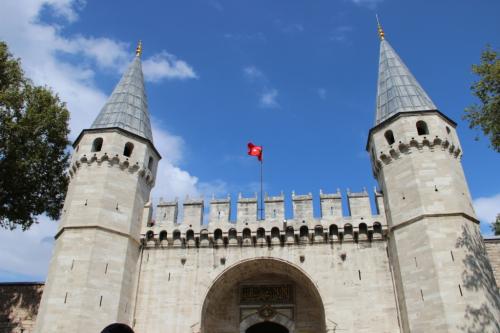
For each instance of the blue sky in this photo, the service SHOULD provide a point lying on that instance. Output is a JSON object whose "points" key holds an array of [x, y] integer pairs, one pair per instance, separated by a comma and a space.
{"points": [[298, 77]]}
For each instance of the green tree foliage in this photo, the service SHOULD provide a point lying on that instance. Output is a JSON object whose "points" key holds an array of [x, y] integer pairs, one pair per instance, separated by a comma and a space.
{"points": [[486, 116], [33, 147], [495, 226]]}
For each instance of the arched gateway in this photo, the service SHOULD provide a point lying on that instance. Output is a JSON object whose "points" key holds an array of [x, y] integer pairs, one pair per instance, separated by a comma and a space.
{"points": [[263, 295]]}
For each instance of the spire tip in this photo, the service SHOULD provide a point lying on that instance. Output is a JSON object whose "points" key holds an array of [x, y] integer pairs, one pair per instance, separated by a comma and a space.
{"points": [[138, 49], [381, 33]]}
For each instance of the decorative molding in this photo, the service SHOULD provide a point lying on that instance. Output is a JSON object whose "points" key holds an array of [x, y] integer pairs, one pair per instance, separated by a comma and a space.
{"points": [[120, 161]]}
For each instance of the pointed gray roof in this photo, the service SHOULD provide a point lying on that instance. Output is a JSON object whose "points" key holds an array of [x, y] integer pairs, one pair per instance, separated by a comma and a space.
{"points": [[127, 107], [398, 90]]}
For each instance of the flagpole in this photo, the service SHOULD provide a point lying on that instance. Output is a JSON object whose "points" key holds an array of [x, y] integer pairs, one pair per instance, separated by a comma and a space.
{"points": [[261, 192]]}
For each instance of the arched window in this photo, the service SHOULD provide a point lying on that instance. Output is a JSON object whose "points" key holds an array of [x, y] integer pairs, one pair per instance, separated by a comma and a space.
{"points": [[246, 233], [150, 163], [190, 235], [334, 230], [117, 328], [389, 136], [177, 235], [150, 235], [97, 145], [163, 235], [217, 234], [363, 229], [318, 230], [275, 232], [377, 228], [422, 128], [289, 232], [304, 231], [127, 150], [447, 130], [348, 229], [261, 233], [232, 233], [204, 235]]}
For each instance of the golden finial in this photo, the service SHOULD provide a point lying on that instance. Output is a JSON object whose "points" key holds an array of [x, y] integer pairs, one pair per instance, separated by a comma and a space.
{"points": [[381, 33], [138, 49]]}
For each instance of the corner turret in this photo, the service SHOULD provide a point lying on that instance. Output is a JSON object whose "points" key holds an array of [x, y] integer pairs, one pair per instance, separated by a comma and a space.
{"points": [[416, 158], [113, 169]]}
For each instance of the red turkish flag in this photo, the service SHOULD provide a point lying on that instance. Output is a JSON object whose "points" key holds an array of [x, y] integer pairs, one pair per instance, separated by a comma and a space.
{"points": [[254, 150]]}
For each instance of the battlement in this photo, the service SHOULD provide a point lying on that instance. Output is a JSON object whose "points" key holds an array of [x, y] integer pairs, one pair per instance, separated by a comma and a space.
{"points": [[248, 230], [120, 161]]}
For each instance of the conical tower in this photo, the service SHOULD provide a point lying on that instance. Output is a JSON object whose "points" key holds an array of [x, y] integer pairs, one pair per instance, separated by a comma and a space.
{"points": [[94, 265], [444, 281]]}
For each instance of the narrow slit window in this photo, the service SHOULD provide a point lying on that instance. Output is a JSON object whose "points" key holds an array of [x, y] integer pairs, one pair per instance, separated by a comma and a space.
{"points": [[422, 128], [389, 136], [150, 164], [127, 150], [97, 145]]}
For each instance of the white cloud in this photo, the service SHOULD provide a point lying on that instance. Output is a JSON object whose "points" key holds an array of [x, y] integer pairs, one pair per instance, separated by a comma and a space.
{"points": [[258, 36], [27, 253], [268, 95], [367, 3], [65, 8], [289, 28], [268, 98], [216, 5], [487, 209], [166, 66], [339, 34], [322, 93], [253, 73], [40, 46]]}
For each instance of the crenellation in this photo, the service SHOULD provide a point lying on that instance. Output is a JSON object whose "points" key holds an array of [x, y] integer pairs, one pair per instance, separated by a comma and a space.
{"points": [[247, 230], [379, 202], [166, 212], [220, 210], [193, 212], [358, 204], [331, 205], [302, 207], [275, 207], [247, 209]]}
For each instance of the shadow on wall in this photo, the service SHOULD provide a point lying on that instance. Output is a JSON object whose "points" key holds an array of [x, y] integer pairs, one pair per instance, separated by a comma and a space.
{"points": [[19, 305], [478, 276]]}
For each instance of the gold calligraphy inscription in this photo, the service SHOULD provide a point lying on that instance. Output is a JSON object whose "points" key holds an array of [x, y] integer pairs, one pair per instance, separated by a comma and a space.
{"points": [[276, 294]]}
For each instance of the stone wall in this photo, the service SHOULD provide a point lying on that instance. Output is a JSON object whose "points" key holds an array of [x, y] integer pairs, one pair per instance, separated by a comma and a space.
{"points": [[180, 288], [19, 306], [493, 249]]}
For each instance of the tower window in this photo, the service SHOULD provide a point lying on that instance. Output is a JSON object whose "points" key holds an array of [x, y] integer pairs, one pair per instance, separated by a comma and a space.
{"points": [[389, 136], [97, 145], [422, 128], [150, 163], [448, 130], [127, 150]]}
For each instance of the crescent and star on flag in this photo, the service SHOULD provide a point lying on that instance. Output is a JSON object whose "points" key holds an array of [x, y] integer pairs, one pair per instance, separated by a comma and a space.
{"points": [[254, 150]]}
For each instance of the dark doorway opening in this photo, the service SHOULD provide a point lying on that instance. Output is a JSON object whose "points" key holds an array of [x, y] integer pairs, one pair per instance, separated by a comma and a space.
{"points": [[117, 328], [267, 327]]}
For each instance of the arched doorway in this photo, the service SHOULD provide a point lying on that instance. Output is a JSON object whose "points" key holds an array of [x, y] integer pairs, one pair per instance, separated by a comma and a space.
{"points": [[263, 295], [267, 327], [117, 328]]}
